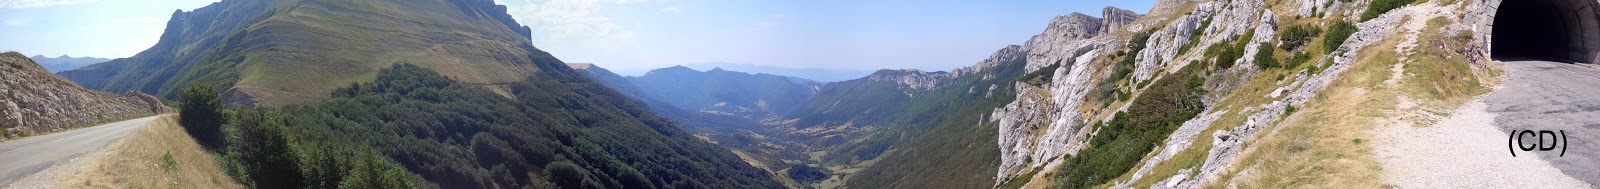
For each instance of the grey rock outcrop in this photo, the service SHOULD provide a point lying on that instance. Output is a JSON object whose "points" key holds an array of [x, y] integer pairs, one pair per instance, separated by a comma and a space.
{"points": [[1042, 123], [33, 101], [910, 78], [1113, 18]]}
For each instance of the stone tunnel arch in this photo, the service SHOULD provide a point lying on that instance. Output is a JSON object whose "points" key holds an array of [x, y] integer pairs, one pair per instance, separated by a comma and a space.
{"points": [[1552, 30]]}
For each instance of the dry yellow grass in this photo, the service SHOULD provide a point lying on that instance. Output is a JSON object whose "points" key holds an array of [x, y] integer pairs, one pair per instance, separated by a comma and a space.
{"points": [[136, 161], [1326, 143]]}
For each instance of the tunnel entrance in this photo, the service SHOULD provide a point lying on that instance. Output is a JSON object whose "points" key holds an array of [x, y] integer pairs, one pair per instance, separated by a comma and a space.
{"points": [[1550, 30]]}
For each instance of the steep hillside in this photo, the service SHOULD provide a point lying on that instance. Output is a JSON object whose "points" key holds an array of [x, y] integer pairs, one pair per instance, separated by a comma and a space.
{"points": [[1205, 93], [64, 62], [280, 52], [567, 134], [403, 94], [34, 102]]}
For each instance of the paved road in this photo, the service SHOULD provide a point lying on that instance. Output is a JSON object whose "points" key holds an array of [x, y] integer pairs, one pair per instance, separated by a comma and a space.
{"points": [[24, 157], [1540, 95]]}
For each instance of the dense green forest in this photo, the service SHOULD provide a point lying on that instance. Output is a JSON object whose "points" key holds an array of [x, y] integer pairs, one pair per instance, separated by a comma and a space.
{"points": [[413, 127]]}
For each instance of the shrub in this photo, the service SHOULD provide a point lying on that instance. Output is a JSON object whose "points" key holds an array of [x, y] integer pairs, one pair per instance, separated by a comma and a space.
{"points": [[1299, 35], [200, 114], [1378, 7], [1265, 58], [169, 162], [1337, 34], [1041, 76]]}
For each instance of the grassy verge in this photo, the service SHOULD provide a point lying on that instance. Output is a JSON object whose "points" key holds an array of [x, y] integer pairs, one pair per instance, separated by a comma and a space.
{"points": [[159, 155], [1323, 145], [1439, 77]]}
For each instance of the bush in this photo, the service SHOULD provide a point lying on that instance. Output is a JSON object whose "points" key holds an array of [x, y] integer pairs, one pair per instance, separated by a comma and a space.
{"points": [[1299, 35], [1265, 58], [1337, 34], [169, 162], [1041, 76], [1378, 7], [200, 114]]}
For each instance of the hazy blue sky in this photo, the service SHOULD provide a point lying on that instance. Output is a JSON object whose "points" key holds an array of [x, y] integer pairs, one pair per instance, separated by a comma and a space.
{"points": [[631, 36]]}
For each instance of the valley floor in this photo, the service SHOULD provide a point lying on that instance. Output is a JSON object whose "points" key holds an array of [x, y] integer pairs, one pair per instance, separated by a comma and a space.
{"points": [[1468, 148]]}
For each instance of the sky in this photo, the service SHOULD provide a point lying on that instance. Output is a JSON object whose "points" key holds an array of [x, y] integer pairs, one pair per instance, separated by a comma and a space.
{"points": [[633, 36]]}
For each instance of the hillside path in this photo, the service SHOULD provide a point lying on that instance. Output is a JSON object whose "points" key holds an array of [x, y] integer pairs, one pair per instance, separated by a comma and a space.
{"points": [[24, 157]]}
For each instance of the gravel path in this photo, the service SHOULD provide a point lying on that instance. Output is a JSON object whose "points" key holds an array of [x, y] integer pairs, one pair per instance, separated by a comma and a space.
{"points": [[1462, 151], [1540, 95]]}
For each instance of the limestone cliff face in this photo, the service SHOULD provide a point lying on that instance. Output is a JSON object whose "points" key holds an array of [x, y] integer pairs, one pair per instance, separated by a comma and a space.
{"points": [[33, 101], [1047, 122], [1042, 122]]}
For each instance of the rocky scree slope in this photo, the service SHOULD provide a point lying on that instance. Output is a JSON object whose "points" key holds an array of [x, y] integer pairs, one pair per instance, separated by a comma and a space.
{"points": [[34, 102]]}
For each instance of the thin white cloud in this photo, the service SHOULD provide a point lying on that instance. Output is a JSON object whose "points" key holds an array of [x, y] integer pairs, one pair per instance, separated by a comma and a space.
{"points": [[563, 20], [19, 4], [17, 22], [630, 1], [671, 10]]}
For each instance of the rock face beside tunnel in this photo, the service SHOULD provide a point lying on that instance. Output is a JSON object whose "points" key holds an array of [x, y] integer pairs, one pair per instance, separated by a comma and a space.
{"points": [[1554, 30]]}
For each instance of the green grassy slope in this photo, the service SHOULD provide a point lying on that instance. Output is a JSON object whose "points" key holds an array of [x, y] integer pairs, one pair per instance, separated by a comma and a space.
{"points": [[291, 51]]}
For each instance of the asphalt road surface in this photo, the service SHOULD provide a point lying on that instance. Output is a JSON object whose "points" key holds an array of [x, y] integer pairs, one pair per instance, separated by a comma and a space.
{"points": [[1539, 95], [24, 157]]}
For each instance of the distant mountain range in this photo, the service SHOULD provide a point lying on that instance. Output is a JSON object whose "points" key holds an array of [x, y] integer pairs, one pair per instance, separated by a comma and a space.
{"points": [[814, 74], [64, 62], [727, 90]]}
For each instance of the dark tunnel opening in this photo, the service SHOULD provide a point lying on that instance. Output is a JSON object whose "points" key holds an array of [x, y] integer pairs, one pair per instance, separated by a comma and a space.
{"points": [[1531, 30]]}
